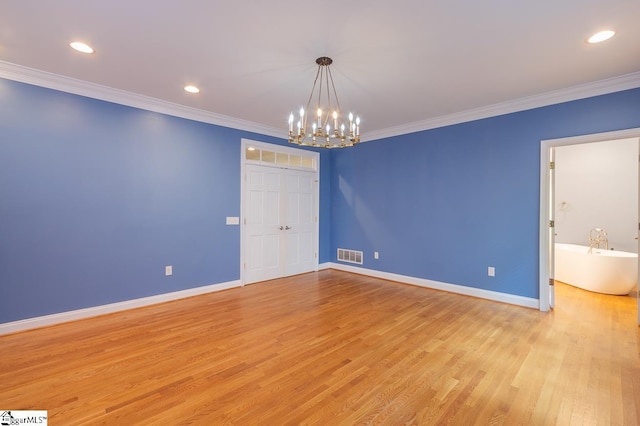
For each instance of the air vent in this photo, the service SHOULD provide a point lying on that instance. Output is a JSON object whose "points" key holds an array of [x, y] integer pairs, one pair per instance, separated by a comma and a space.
{"points": [[351, 256]]}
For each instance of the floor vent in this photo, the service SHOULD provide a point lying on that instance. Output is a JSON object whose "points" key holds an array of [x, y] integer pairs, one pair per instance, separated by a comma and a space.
{"points": [[351, 256]]}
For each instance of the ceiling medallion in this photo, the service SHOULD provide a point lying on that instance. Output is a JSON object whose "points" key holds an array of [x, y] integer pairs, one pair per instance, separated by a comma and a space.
{"points": [[328, 128]]}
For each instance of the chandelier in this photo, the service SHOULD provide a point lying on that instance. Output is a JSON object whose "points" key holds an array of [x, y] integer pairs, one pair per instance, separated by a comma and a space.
{"points": [[328, 128]]}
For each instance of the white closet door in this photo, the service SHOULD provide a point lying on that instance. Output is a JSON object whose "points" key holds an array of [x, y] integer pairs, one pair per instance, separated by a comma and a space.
{"points": [[263, 212], [280, 222], [299, 222]]}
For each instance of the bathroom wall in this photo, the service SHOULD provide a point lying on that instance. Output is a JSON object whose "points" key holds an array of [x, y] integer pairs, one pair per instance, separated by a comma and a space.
{"points": [[597, 187]]}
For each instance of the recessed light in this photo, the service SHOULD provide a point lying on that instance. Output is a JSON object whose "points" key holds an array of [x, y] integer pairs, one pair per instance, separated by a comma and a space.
{"points": [[601, 36], [81, 47], [191, 89]]}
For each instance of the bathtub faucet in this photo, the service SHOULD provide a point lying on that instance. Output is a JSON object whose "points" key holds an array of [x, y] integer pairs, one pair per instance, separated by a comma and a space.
{"points": [[598, 236]]}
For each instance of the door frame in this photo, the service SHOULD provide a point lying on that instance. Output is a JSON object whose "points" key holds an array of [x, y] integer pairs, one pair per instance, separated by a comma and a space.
{"points": [[546, 250], [284, 150]]}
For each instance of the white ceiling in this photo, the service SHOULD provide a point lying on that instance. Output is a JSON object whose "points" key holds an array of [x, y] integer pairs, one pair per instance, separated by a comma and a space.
{"points": [[395, 62]]}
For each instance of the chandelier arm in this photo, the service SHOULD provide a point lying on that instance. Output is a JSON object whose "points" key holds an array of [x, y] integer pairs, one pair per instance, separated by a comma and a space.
{"points": [[313, 89], [329, 106], [335, 93], [323, 77]]}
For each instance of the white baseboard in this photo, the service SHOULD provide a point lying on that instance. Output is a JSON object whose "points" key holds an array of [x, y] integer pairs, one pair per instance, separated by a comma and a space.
{"points": [[47, 320], [323, 266], [451, 288]]}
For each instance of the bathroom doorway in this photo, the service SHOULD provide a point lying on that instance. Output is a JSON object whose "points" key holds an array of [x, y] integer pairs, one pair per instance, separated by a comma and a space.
{"points": [[550, 204]]}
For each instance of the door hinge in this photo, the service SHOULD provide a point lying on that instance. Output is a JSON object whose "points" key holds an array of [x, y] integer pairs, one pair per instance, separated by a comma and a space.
{"points": [[552, 223], [552, 281], [244, 266], [552, 165], [315, 255]]}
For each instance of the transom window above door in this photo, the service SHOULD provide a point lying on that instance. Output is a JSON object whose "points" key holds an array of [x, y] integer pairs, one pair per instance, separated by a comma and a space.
{"points": [[258, 155]]}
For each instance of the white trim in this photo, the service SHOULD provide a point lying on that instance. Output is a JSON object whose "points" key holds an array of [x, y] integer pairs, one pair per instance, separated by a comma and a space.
{"points": [[545, 149], [36, 77], [48, 320], [451, 288], [325, 265], [601, 87]]}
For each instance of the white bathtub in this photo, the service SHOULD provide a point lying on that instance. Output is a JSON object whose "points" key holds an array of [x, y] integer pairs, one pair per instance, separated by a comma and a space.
{"points": [[602, 271]]}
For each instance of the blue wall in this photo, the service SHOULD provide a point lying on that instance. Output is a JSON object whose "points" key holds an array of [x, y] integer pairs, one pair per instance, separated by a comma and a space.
{"points": [[96, 198], [445, 204]]}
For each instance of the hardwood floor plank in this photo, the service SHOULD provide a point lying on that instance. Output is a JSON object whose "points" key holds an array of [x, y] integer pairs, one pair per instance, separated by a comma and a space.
{"points": [[334, 348]]}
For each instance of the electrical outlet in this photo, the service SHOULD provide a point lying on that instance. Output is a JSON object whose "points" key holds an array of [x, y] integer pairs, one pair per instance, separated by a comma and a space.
{"points": [[491, 271], [168, 270], [376, 255]]}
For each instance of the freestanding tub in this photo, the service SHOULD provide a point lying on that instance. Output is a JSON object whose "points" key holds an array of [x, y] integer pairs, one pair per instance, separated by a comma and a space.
{"points": [[602, 271]]}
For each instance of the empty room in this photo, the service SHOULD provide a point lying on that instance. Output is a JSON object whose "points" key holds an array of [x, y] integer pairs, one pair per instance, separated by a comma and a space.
{"points": [[341, 213]]}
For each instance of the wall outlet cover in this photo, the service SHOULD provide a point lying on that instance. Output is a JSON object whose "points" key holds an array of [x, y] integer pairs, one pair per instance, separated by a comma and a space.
{"points": [[233, 220]]}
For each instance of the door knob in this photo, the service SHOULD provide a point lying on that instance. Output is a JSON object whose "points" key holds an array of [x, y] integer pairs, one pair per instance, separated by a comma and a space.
{"points": [[281, 228], [287, 228]]}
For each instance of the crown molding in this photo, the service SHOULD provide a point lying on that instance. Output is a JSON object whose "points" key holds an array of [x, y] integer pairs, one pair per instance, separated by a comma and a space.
{"points": [[40, 78], [36, 77], [601, 87]]}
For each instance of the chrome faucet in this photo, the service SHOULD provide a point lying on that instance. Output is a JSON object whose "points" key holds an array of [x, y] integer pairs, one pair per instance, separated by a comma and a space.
{"points": [[598, 236]]}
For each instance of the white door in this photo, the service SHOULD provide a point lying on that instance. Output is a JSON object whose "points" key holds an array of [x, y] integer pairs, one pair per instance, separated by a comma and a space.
{"points": [[280, 222], [552, 229], [263, 211], [299, 223]]}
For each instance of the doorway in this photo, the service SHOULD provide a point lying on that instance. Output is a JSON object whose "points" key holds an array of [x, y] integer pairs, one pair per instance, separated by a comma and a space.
{"points": [[279, 205], [548, 220]]}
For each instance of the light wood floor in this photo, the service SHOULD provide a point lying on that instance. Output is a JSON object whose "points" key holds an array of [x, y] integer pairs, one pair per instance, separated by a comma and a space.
{"points": [[333, 348]]}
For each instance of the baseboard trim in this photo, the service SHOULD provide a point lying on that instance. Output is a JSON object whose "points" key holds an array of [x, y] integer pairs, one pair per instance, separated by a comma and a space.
{"points": [[323, 266], [436, 285], [53, 319], [48, 320]]}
